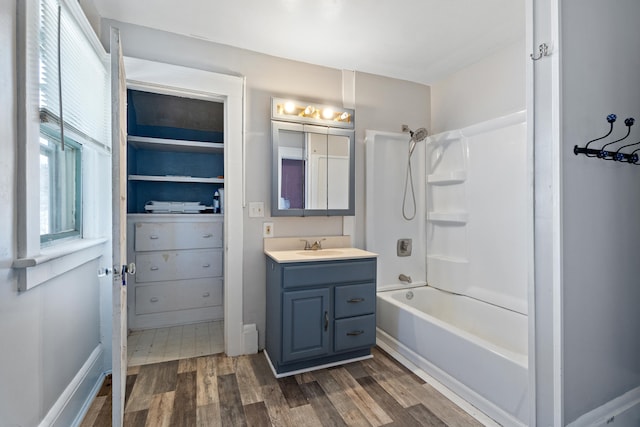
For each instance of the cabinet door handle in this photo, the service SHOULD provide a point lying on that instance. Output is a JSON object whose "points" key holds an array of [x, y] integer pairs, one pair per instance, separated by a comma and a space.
{"points": [[206, 265], [205, 295], [355, 333], [206, 236], [154, 299], [355, 300], [154, 237], [154, 268], [326, 320]]}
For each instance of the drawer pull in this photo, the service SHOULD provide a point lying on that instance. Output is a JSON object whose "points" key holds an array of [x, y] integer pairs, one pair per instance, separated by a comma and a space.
{"points": [[154, 299], [355, 333], [355, 300], [206, 236], [206, 295], [155, 268], [154, 237], [206, 265]]}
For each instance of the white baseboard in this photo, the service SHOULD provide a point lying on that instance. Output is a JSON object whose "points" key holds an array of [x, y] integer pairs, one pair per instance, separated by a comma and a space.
{"points": [[76, 398], [622, 411]]}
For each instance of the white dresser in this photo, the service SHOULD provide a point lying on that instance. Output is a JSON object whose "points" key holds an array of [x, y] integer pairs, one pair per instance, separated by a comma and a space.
{"points": [[179, 275]]}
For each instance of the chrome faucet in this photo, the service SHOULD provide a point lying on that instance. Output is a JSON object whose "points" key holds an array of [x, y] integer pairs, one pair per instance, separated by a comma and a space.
{"points": [[317, 245], [312, 246], [404, 278]]}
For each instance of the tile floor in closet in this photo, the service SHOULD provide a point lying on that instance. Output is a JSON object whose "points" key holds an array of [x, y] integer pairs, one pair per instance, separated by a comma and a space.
{"points": [[175, 342]]}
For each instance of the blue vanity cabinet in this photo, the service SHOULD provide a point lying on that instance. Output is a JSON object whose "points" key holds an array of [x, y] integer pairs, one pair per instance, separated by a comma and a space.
{"points": [[319, 313]]}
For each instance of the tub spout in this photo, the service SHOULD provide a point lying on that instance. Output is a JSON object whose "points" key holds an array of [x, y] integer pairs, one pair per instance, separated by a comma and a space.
{"points": [[404, 278]]}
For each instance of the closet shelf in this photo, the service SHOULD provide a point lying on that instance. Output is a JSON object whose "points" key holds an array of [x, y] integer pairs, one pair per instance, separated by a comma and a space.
{"points": [[147, 143], [448, 217], [172, 178], [454, 177]]}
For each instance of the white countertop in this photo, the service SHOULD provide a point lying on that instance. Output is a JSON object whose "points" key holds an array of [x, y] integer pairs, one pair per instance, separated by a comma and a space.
{"points": [[291, 249], [332, 254]]}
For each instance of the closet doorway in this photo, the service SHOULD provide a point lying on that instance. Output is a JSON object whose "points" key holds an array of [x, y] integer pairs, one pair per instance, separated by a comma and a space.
{"points": [[184, 132]]}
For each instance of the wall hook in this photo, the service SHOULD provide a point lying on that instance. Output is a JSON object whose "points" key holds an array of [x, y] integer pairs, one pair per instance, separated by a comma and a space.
{"points": [[611, 119], [604, 153], [543, 50]]}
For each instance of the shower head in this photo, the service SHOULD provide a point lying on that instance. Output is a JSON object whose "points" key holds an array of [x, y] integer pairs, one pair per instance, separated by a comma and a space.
{"points": [[418, 135]]}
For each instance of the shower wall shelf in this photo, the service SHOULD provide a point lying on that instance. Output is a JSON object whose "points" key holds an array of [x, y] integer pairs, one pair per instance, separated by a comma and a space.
{"points": [[617, 153], [448, 217], [454, 177]]}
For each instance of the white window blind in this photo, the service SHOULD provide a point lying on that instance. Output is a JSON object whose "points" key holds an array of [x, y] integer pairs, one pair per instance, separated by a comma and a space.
{"points": [[85, 80]]}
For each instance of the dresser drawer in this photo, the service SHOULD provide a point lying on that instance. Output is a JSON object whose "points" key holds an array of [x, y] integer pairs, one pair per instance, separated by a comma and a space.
{"points": [[355, 332], [159, 236], [176, 265], [171, 296], [354, 300]]}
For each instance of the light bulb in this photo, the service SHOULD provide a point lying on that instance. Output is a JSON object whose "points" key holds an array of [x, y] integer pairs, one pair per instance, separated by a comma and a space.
{"points": [[309, 110], [327, 113], [289, 107]]}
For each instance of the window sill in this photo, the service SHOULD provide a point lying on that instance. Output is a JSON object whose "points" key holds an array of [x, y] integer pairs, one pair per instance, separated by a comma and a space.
{"points": [[56, 260]]}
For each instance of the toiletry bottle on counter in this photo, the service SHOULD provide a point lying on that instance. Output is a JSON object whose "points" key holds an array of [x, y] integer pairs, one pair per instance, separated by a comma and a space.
{"points": [[216, 202]]}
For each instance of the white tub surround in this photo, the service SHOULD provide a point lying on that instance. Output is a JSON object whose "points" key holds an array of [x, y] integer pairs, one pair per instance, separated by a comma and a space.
{"points": [[386, 169], [471, 239], [477, 211]]}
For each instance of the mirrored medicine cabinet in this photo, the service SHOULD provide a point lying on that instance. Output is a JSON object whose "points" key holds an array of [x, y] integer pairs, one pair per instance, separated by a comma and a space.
{"points": [[312, 159]]}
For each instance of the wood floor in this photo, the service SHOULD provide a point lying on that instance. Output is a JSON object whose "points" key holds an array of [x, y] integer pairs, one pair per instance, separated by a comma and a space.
{"points": [[241, 391]]}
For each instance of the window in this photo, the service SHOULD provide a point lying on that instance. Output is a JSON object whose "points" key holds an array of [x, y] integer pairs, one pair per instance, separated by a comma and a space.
{"points": [[73, 81], [63, 216], [60, 189]]}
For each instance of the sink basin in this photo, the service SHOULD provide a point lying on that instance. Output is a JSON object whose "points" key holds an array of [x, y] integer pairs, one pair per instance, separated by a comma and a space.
{"points": [[321, 252]]}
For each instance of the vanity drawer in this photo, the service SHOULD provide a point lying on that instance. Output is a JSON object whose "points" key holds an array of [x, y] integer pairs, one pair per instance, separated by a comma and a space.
{"points": [[355, 332], [324, 272], [159, 236], [354, 300], [176, 265], [170, 296]]}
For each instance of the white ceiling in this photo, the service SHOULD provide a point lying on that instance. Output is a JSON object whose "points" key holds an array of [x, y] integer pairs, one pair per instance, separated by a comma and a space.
{"points": [[415, 40]]}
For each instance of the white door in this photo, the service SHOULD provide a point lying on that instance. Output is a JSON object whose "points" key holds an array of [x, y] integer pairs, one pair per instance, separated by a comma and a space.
{"points": [[119, 197]]}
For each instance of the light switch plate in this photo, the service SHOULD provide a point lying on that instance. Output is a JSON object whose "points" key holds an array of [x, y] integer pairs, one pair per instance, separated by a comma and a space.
{"points": [[256, 209]]}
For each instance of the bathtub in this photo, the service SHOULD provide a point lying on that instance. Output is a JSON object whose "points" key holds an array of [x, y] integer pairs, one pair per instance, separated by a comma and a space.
{"points": [[475, 349]]}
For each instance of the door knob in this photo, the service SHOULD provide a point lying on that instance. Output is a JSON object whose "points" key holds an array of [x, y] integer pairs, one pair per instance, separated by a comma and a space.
{"points": [[131, 268]]}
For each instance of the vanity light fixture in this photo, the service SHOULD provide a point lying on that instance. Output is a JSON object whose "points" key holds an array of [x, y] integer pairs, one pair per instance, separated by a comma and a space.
{"points": [[301, 111]]}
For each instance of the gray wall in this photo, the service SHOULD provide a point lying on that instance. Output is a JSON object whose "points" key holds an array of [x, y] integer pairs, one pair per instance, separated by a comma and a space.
{"points": [[601, 205], [490, 88], [381, 103], [46, 333]]}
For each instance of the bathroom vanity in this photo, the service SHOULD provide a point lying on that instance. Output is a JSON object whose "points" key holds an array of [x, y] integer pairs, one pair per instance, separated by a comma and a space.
{"points": [[320, 307]]}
